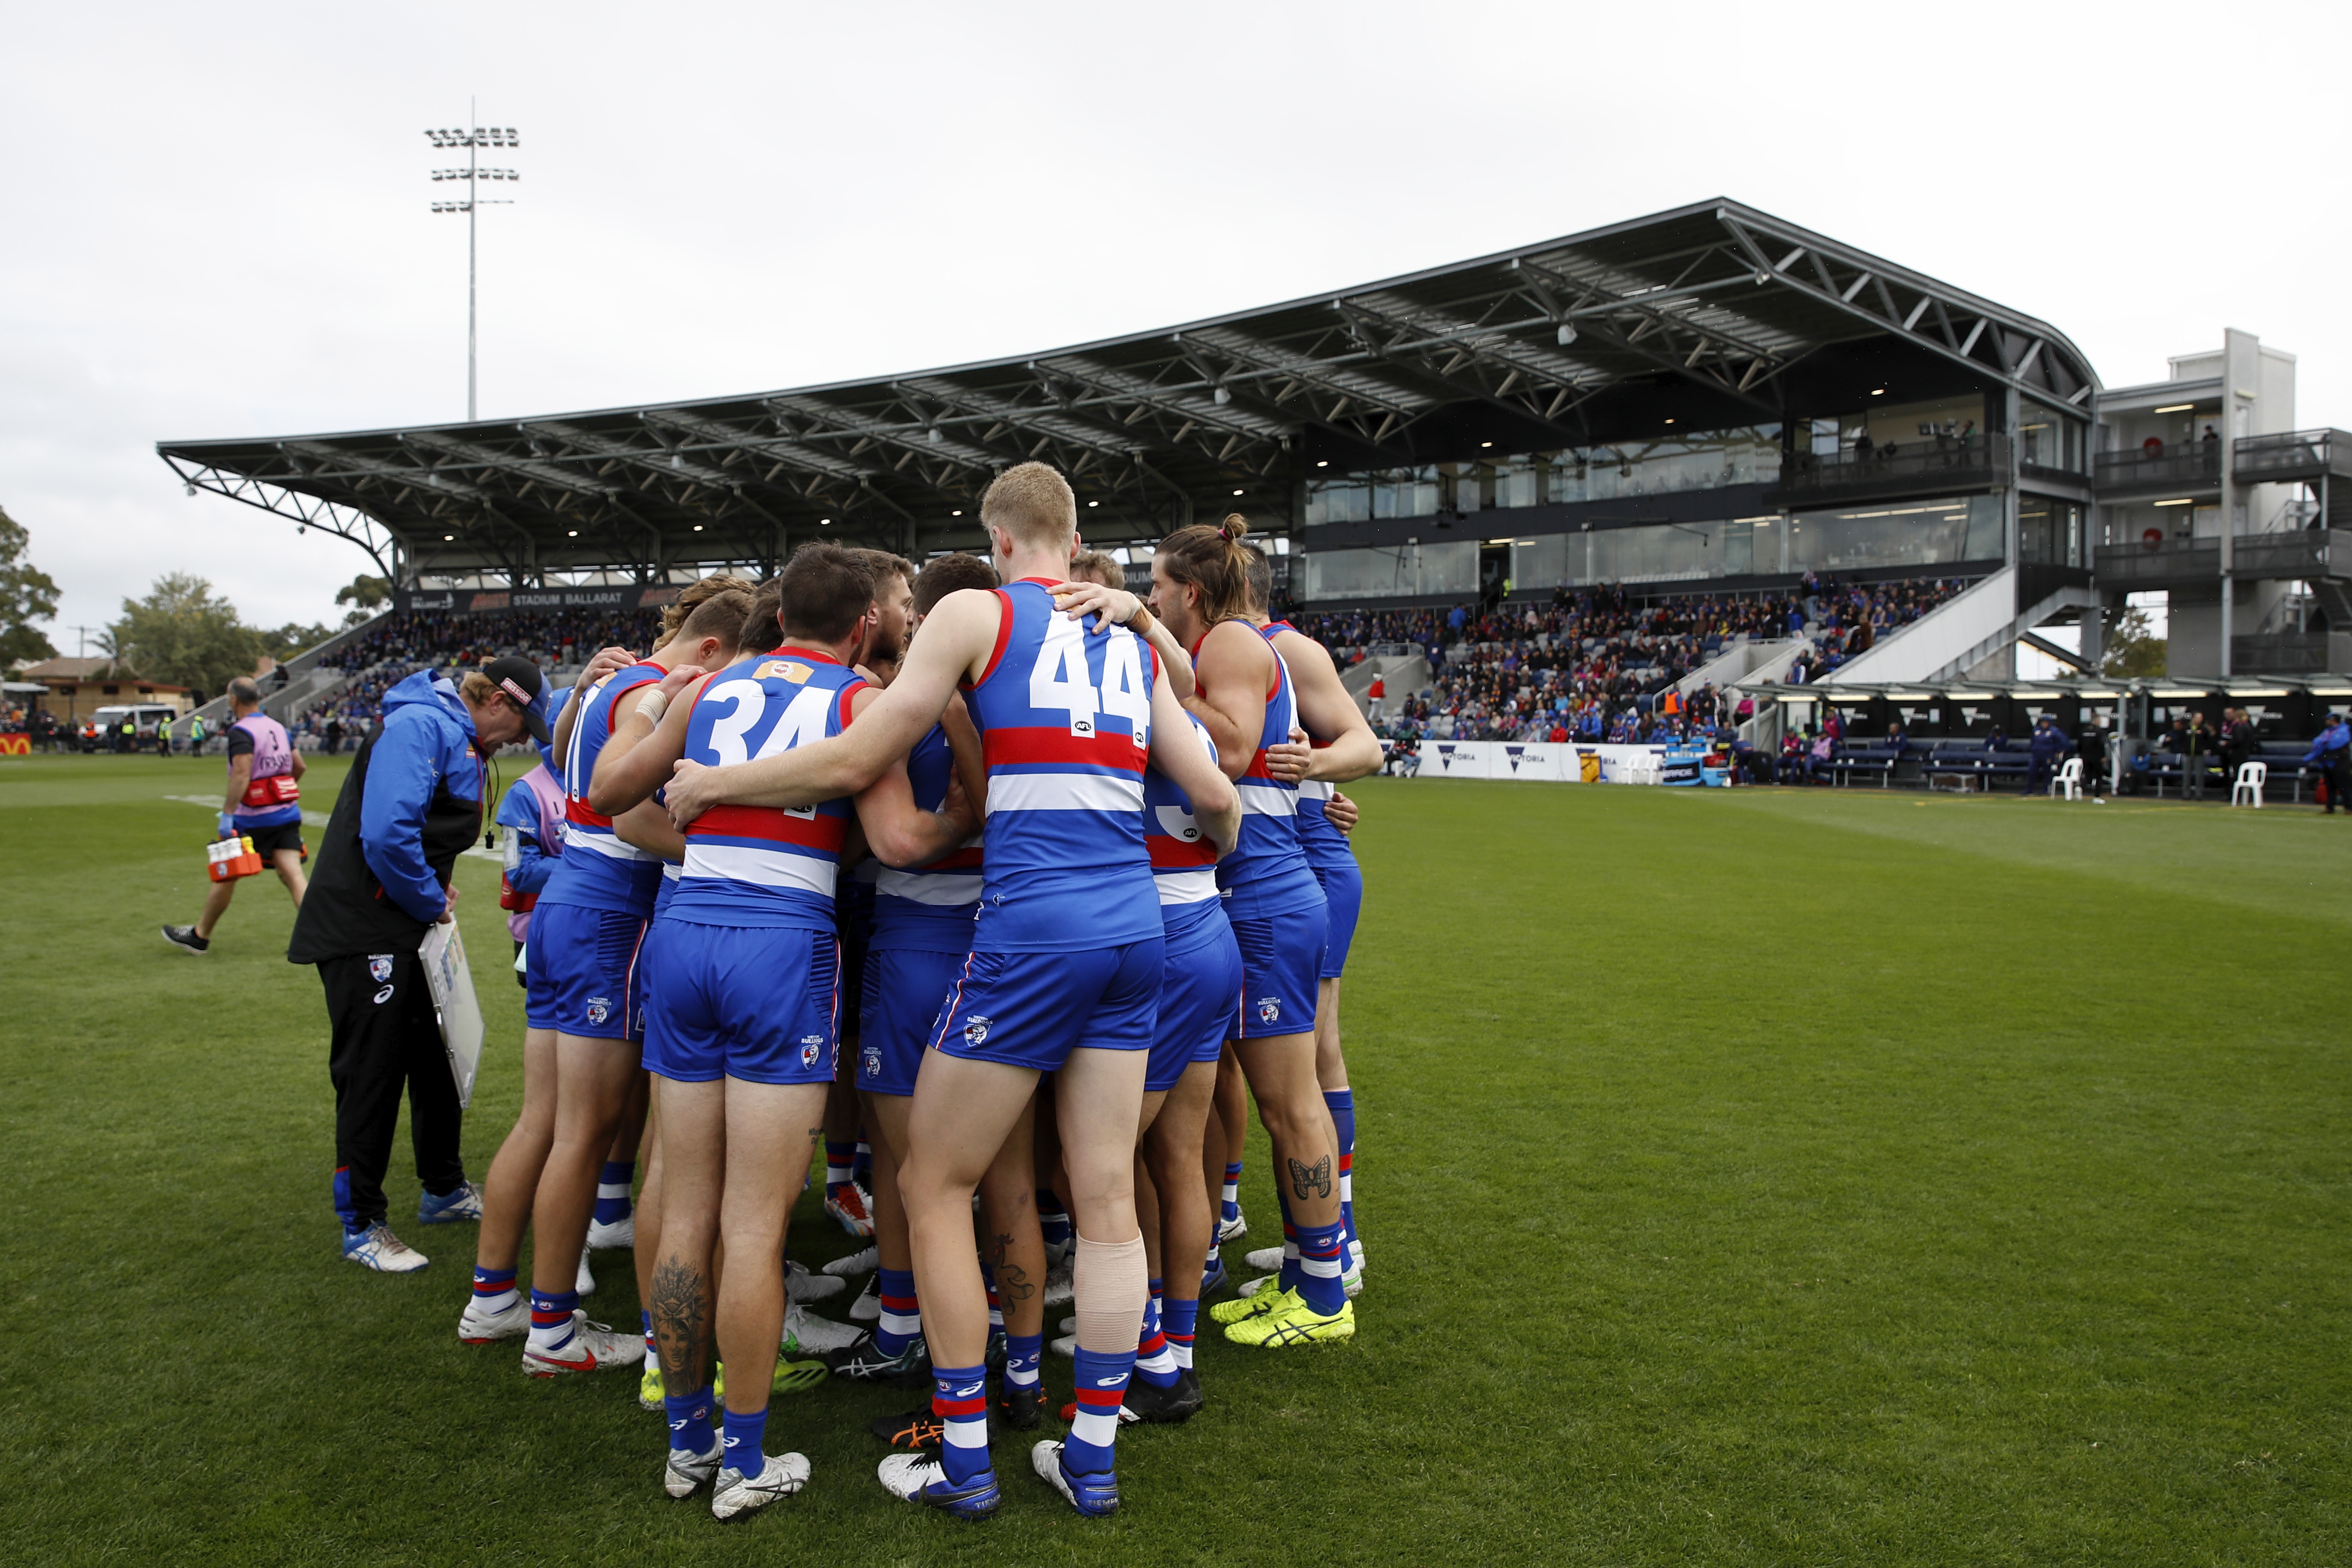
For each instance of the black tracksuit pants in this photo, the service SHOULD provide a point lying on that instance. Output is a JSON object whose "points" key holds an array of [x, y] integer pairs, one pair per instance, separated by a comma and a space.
{"points": [[386, 1040]]}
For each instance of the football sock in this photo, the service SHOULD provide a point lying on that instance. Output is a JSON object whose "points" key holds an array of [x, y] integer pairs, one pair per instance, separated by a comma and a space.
{"points": [[1342, 1102], [653, 1356], [1154, 1362], [551, 1318], [902, 1317], [613, 1190], [1052, 1218], [839, 1160], [1322, 1253], [995, 1301], [1022, 1353], [1177, 1323], [744, 1435], [494, 1288], [1101, 1379], [689, 1421], [960, 1399], [1231, 1210], [1289, 1279], [863, 1166]]}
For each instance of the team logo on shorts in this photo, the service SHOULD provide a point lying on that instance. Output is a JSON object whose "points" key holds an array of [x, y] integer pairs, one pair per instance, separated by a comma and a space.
{"points": [[810, 1046], [379, 967], [598, 1009], [1269, 1008], [975, 1031], [872, 1058]]}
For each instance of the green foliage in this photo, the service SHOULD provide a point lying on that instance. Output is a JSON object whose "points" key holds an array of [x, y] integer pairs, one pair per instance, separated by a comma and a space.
{"points": [[365, 592], [183, 633], [2131, 650], [291, 638], [27, 594], [1947, 1234]]}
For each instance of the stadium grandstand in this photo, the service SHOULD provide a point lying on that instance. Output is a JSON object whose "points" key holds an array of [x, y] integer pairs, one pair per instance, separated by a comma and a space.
{"points": [[1694, 453]]}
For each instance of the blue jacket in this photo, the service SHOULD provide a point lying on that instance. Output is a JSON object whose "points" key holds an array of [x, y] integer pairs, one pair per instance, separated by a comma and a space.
{"points": [[2048, 744], [426, 748], [534, 862], [2335, 738]]}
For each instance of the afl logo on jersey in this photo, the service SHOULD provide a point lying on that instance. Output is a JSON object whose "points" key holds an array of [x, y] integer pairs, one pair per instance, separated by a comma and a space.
{"points": [[791, 669], [1269, 1008], [811, 1044], [975, 1031], [598, 1009]]}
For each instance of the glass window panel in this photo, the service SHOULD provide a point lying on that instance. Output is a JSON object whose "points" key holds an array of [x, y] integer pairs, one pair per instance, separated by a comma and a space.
{"points": [[1339, 501], [2050, 439], [1900, 533], [1544, 561], [1399, 572]]}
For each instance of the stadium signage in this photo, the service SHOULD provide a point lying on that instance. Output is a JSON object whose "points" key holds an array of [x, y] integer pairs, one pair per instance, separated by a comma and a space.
{"points": [[489, 601]]}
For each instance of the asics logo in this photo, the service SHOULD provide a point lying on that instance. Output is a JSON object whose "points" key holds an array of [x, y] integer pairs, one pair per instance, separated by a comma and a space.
{"points": [[969, 1392], [1109, 1381]]}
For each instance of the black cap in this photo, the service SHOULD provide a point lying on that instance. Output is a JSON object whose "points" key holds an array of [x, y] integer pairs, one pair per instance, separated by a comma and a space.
{"points": [[520, 679]]}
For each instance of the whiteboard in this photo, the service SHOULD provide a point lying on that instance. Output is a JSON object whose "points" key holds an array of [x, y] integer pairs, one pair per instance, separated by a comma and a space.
{"points": [[451, 983]]}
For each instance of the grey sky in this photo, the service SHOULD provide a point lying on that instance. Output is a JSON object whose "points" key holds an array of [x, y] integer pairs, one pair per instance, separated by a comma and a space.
{"points": [[219, 218]]}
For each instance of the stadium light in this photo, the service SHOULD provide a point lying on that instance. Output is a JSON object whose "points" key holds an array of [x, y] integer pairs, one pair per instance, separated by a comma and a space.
{"points": [[473, 139]]}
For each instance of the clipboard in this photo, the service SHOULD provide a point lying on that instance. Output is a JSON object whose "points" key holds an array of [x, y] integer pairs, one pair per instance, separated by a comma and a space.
{"points": [[451, 984]]}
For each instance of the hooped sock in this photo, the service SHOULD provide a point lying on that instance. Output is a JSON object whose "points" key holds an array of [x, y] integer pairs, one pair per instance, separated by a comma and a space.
{"points": [[1052, 1218], [1232, 1196], [689, 1420], [744, 1434], [1289, 1276], [1342, 1104], [960, 1399], [1322, 1259], [1154, 1362], [653, 1353], [551, 1318], [840, 1160], [902, 1314], [613, 1190], [1101, 1379], [1023, 1354], [995, 1301], [1178, 1322], [494, 1288], [862, 1167]]}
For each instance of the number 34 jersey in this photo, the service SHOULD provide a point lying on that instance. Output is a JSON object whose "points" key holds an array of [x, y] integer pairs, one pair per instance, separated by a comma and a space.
{"points": [[757, 865], [1064, 719]]}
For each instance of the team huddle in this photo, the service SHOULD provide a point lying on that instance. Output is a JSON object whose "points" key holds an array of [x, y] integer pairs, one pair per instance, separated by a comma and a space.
{"points": [[1006, 887]]}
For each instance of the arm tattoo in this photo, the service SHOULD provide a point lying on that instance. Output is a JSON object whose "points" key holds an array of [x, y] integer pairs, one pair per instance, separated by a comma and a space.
{"points": [[1311, 1180], [681, 1312]]}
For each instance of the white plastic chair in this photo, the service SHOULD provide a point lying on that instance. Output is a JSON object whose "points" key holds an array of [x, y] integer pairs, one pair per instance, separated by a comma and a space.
{"points": [[2252, 777], [2069, 777]]}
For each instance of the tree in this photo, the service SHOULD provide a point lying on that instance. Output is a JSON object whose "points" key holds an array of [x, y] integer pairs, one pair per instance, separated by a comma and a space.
{"points": [[181, 633], [291, 638], [2131, 651], [364, 594], [27, 594]]}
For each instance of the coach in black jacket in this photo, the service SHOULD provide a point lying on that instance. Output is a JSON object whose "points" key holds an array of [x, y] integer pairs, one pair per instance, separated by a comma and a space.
{"points": [[412, 802]]}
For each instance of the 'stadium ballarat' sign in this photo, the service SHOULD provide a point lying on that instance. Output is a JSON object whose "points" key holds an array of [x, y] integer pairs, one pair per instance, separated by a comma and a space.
{"points": [[487, 601]]}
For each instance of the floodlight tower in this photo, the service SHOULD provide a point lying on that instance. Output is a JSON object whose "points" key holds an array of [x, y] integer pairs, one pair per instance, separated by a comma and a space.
{"points": [[473, 139]]}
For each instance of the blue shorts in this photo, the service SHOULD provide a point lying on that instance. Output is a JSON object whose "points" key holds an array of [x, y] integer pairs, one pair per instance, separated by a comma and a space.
{"points": [[904, 993], [1033, 1009], [757, 1004], [1282, 965], [584, 971], [1198, 985], [1343, 899]]}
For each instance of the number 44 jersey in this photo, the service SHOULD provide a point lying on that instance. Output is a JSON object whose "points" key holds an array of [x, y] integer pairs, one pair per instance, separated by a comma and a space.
{"points": [[757, 865], [1064, 718]]}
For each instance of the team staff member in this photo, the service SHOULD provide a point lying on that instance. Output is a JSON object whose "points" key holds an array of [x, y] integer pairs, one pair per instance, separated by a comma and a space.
{"points": [[412, 802], [265, 778]]}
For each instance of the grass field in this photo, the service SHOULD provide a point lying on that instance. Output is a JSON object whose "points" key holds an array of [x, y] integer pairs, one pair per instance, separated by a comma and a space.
{"points": [[1755, 1177]]}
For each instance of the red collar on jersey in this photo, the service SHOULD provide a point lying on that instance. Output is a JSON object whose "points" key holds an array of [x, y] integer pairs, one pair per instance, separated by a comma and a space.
{"points": [[1041, 582], [818, 654]]}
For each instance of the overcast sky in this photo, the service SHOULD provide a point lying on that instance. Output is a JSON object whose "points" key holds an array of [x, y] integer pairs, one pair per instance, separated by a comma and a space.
{"points": [[219, 224]]}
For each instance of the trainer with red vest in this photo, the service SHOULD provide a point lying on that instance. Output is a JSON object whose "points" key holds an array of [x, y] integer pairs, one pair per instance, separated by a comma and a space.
{"points": [[265, 788], [411, 805]]}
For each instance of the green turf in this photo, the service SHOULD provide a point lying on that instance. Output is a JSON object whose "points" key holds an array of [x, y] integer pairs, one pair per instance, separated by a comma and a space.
{"points": [[1827, 1177]]}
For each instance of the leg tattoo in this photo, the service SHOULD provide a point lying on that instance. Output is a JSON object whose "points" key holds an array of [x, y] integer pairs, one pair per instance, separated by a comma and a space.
{"points": [[681, 1309], [1311, 1180]]}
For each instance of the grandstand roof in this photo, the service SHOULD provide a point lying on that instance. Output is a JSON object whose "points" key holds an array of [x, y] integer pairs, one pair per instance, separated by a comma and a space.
{"points": [[1715, 312]]}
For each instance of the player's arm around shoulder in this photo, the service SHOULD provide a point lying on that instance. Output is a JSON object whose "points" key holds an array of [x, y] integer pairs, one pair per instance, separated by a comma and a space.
{"points": [[645, 746], [1234, 670], [1328, 713], [956, 639], [1216, 804], [899, 832]]}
